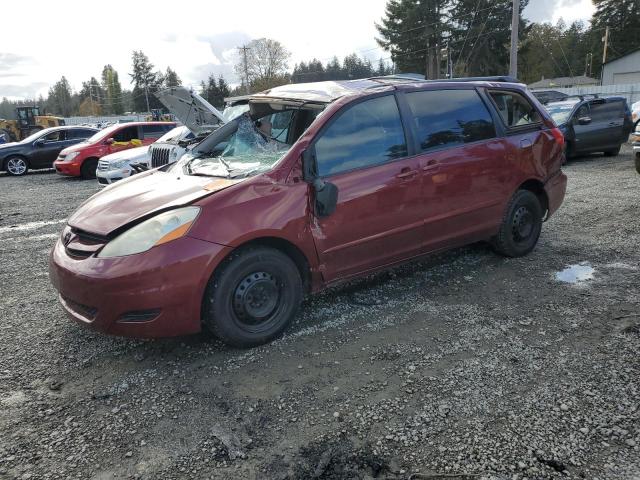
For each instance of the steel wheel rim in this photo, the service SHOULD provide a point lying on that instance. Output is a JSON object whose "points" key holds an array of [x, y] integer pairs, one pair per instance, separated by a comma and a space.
{"points": [[257, 299], [522, 226], [16, 166]]}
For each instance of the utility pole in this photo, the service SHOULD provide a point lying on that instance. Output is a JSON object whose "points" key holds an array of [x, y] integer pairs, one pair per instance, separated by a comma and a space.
{"points": [[146, 94], [244, 49], [515, 23], [606, 45], [587, 65]]}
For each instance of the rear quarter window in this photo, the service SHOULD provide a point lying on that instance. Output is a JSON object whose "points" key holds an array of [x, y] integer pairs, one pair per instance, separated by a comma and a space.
{"points": [[155, 131], [514, 109], [449, 118]]}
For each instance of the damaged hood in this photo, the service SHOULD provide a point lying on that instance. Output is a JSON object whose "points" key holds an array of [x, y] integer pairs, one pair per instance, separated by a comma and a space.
{"points": [[140, 197], [191, 109]]}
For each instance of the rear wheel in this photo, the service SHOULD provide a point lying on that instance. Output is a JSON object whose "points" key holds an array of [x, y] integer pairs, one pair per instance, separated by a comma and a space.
{"points": [[253, 297], [88, 169], [613, 153], [16, 166], [521, 225]]}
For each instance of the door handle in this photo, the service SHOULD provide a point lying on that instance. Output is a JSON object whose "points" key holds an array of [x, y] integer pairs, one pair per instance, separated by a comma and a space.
{"points": [[613, 124], [431, 164], [406, 173]]}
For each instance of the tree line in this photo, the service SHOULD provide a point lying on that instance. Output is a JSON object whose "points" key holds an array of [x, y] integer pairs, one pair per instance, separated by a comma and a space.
{"points": [[432, 37], [473, 37]]}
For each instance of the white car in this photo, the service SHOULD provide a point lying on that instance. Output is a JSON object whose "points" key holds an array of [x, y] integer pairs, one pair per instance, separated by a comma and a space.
{"points": [[117, 166], [635, 114]]}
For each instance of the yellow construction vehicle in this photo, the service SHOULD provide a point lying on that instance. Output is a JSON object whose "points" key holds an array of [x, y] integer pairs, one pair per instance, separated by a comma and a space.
{"points": [[28, 121], [158, 116]]}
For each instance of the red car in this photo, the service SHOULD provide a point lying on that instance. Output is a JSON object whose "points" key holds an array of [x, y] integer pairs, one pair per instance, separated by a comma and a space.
{"points": [[315, 185], [81, 160]]}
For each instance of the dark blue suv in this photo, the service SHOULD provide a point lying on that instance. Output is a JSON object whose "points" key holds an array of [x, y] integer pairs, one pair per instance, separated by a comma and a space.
{"points": [[592, 123]]}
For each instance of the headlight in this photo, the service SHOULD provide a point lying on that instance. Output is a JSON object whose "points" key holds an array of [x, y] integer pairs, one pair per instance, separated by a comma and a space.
{"points": [[157, 230], [118, 165], [71, 156]]}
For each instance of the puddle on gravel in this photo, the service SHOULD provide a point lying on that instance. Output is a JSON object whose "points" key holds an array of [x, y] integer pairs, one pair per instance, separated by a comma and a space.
{"points": [[577, 273]]}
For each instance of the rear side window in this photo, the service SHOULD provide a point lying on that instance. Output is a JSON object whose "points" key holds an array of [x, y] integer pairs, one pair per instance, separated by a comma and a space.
{"points": [[368, 133], [154, 130], [604, 112], [449, 118], [515, 110], [126, 134], [79, 133]]}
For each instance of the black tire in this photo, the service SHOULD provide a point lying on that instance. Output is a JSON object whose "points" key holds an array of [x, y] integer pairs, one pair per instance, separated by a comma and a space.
{"points": [[88, 169], [7, 134], [252, 297], [613, 153], [521, 225], [16, 166]]}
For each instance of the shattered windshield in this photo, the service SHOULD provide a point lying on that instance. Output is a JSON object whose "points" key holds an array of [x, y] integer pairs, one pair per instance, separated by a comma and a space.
{"points": [[254, 148]]}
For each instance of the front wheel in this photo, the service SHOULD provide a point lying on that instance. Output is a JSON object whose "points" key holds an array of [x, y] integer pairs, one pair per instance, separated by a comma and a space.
{"points": [[253, 297], [613, 153], [16, 166], [88, 169], [521, 225]]}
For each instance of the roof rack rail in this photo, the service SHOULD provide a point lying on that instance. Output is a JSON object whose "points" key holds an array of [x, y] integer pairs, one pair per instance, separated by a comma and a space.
{"points": [[498, 78], [584, 95]]}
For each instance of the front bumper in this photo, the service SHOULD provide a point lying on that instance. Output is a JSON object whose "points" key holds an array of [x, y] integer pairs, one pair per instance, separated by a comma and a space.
{"points": [[555, 188], [157, 293], [107, 177], [71, 169]]}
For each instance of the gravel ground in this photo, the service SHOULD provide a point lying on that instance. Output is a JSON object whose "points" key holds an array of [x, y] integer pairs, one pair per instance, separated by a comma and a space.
{"points": [[466, 365]]}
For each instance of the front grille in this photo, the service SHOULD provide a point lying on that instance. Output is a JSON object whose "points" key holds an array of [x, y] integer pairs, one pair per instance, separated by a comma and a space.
{"points": [[84, 310], [160, 156], [103, 165]]}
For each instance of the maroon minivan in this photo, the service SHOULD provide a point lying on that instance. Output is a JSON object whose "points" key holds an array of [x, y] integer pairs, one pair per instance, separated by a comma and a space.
{"points": [[316, 184]]}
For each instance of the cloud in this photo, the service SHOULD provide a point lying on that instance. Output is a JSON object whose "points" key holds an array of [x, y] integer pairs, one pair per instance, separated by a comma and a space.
{"points": [[9, 61], [29, 90], [552, 10], [216, 69], [221, 43]]}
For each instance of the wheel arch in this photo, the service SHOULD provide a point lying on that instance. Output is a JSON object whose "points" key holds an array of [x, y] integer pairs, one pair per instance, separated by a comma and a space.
{"points": [[536, 187], [283, 245]]}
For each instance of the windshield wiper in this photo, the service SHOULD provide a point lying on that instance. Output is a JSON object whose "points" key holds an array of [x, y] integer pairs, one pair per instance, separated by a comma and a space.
{"points": [[225, 163]]}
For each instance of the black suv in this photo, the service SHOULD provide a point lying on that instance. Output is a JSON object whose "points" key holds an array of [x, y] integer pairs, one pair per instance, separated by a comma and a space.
{"points": [[592, 124], [40, 149]]}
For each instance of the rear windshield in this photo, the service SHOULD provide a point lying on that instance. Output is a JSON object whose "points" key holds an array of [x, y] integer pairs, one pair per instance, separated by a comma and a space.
{"points": [[560, 111]]}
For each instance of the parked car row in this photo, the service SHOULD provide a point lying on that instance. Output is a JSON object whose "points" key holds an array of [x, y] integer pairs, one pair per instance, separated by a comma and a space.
{"points": [[314, 185]]}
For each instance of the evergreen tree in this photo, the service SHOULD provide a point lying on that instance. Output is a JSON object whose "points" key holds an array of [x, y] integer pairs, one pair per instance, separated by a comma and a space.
{"points": [[59, 100], [112, 104], [145, 82], [623, 19], [414, 33], [481, 36], [171, 78]]}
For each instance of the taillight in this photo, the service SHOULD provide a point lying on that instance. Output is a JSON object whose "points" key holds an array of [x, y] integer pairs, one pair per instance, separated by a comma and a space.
{"points": [[557, 134]]}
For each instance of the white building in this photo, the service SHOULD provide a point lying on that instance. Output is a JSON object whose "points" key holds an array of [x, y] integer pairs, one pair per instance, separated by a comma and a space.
{"points": [[622, 71]]}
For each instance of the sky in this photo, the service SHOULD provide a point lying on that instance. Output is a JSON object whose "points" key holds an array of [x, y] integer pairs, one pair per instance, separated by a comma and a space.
{"points": [[195, 38]]}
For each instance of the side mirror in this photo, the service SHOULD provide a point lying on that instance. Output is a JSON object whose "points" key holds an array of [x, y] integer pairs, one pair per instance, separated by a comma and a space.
{"points": [[584, 120], [326, 193], [109, 141], [39, 143]]}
